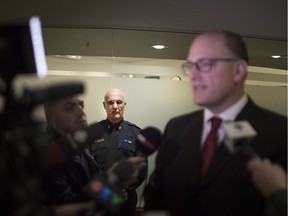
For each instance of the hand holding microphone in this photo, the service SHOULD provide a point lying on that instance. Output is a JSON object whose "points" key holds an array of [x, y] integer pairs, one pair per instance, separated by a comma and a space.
{"points": [[268, 177], [108, 192], [138, 163], [125, 172]]}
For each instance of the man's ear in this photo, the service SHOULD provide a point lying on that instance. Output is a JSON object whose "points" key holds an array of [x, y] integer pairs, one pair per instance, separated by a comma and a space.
{"points": [[104, 104], [241, 71]]}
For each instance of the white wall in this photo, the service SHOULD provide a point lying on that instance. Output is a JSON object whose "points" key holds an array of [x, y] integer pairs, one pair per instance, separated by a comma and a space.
{"points": [[149, 101]]}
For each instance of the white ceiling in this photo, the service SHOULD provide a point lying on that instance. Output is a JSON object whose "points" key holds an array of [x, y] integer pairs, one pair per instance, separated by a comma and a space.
{"points": [[115, 36], [253, 18]]}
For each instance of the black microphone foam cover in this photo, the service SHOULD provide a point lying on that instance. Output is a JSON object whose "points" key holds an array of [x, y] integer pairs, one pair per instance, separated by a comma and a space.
{"points": [[148, 140], [36, 96]]}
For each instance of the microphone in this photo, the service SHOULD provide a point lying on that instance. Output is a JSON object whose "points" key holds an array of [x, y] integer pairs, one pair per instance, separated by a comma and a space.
{"points": [[121, 173], [239, 134], [40, 95], [108, 192], [148, 140]]}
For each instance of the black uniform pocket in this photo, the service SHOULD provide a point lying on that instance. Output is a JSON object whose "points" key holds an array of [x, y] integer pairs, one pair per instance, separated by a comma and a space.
{"points": [[127, 146], [98, 151]]}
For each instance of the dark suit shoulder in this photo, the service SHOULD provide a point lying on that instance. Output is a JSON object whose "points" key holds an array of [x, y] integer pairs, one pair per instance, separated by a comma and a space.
{"points": [[183, 124], [269, 113], [257, 114], [102, 122], [187, 117], [271, 128]]}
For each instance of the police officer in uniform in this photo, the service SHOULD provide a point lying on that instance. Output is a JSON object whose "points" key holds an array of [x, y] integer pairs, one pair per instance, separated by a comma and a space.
{"points": [[114, 140]]}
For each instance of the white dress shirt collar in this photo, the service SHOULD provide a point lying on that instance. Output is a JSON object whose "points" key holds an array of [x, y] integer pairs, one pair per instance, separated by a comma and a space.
{"points": [[227, 115]]}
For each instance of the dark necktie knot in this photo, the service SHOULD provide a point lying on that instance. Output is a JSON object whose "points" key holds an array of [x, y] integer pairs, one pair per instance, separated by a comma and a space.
{"points": [[215, 123]]}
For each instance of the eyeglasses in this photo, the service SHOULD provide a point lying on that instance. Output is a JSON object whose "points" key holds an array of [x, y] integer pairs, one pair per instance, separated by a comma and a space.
{"points": [[203, 65], [112, 102]]}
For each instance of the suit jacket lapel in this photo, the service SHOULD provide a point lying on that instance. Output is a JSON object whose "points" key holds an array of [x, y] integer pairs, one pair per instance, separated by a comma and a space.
{"points": [[191, 151], [194, 136]]}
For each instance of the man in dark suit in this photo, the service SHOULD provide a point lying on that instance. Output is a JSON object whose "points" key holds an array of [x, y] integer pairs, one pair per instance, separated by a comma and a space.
{"points": [[217, 67]]}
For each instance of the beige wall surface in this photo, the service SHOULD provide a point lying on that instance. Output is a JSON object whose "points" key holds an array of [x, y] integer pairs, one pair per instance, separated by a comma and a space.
{"points": [[149, 101]]}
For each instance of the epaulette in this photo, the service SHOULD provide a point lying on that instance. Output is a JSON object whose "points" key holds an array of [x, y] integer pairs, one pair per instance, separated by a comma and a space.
{"points": [[132, 124]]}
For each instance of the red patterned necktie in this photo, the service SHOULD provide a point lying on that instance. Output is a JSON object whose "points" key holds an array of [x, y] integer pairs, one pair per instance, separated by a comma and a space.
{"points": [[210, 144]]}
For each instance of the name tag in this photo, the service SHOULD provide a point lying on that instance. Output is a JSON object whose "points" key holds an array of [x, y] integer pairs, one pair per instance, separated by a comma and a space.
{"points": [[99, 140]]}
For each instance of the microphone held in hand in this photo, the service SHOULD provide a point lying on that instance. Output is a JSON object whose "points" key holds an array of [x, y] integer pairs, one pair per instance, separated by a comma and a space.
{"points": [[121, 173], [148, 140], [108, 192]]}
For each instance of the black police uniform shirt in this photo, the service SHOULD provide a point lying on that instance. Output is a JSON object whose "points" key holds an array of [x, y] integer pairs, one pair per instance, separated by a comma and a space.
{"points": [[123, 135]]}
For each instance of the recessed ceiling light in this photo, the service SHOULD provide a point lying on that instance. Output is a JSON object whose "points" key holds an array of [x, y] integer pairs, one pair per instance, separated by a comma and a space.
{"points": [[159, 46], [276, 56]]}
